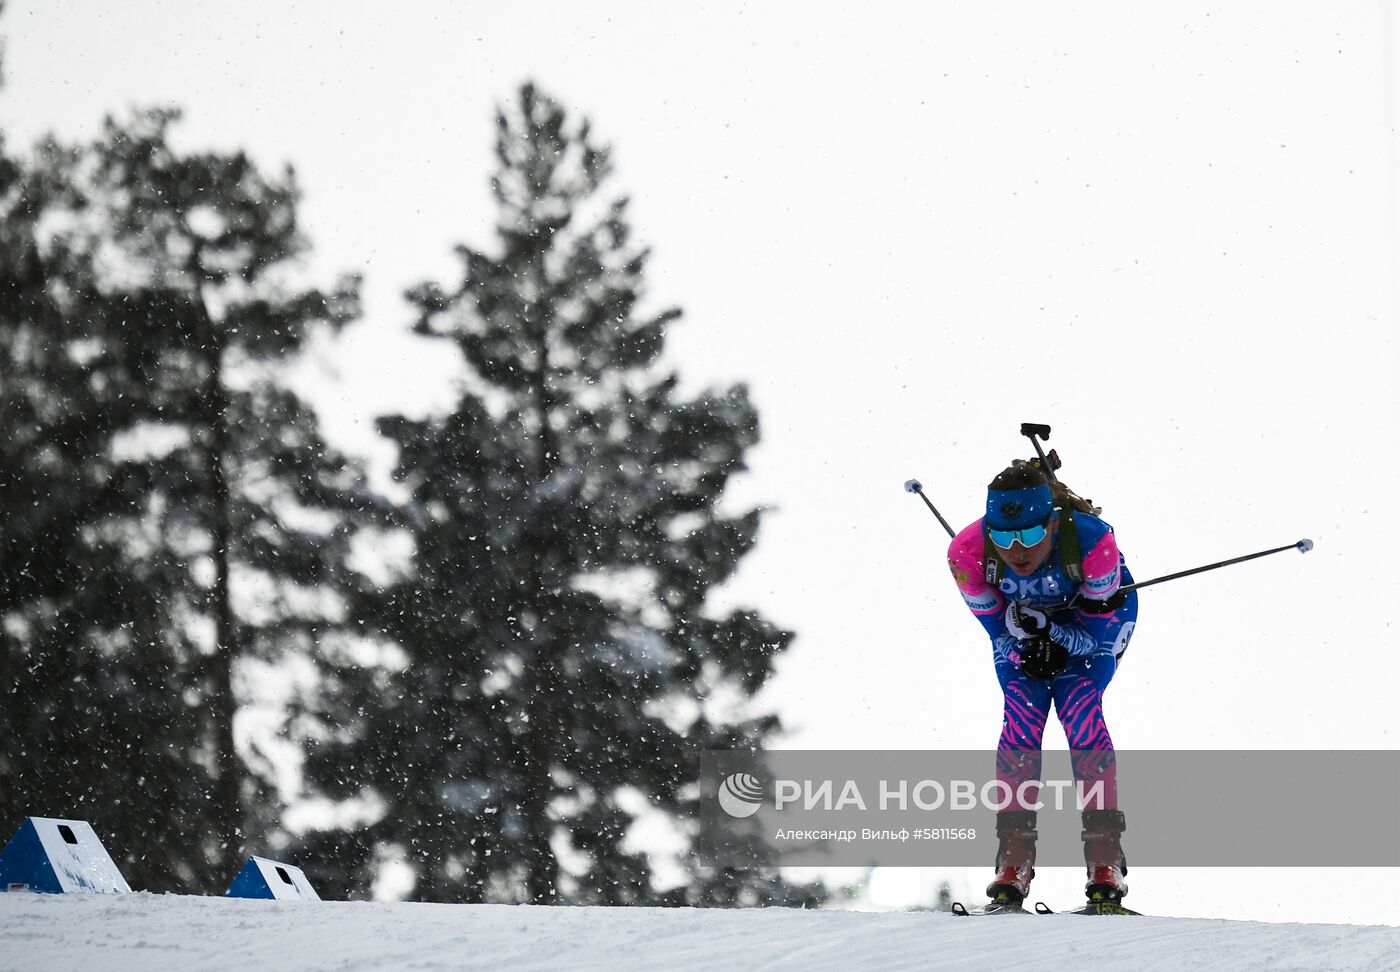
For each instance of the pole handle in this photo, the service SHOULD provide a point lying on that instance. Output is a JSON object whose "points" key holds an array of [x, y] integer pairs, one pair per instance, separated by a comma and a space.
{"points": [[914, 486]]}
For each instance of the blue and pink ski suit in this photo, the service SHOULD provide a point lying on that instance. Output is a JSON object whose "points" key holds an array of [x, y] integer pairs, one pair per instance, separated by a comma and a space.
{"points": [[1095, 642]]}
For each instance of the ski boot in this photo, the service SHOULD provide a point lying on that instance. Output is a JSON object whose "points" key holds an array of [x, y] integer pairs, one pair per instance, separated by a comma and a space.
{"points": [[1015, 859], [1104, 862]]}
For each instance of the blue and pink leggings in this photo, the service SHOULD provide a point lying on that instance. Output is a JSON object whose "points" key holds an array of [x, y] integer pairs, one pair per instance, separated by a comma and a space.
{"points": [[1077, 694]]}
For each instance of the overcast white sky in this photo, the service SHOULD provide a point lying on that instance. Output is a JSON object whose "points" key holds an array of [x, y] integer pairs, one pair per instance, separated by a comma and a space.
{"points": [[1170, 232]]}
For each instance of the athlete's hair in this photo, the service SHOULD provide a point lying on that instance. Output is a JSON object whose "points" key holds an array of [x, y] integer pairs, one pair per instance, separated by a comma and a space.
{"points": [[1027, 475]]}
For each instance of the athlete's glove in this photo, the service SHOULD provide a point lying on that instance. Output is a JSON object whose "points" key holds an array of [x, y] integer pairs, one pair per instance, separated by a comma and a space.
{"points": [[1088, 605], [1041, 658], [1025, 622]]}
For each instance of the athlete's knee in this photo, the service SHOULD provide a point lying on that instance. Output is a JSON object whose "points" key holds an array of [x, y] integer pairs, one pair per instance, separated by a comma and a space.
{"points": [[1080, 708], [1023, 719], [1088, 732], [1021, 734]]}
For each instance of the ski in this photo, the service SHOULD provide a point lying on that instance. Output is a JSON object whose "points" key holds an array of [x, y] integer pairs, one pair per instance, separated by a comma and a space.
{"points": [[1104, 907], [998, 906], [1089, 908], [993, 908]]}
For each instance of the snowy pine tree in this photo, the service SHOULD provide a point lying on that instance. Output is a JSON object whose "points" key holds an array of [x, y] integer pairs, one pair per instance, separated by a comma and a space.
{"points": [[225, 521], [92, 722], [560, 665]]}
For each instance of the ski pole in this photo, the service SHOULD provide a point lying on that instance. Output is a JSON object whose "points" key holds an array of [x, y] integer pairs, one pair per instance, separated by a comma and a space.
{"points": [[914, 486], [1302, 546]]}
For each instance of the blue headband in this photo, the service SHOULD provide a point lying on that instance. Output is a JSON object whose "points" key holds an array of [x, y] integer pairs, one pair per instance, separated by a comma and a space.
{"points": [[1016, 509]]}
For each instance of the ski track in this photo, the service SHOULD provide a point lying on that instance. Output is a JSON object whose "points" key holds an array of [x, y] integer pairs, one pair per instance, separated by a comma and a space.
{"points": [[178, 933]]}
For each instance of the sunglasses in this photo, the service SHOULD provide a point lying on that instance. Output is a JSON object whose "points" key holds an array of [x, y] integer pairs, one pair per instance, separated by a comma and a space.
{"points": [[1027, 537]]}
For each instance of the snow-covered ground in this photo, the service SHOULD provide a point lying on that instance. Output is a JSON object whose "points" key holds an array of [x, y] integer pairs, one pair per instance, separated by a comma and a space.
{"points": [[155, 932]]}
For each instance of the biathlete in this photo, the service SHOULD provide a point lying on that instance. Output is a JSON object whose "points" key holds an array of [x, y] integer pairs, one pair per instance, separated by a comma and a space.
{"points": [[1043, 573]]}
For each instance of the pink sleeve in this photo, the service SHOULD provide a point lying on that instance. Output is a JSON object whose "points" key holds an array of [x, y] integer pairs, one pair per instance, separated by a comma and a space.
{"points": [[965, 561], [1102, 573]]}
